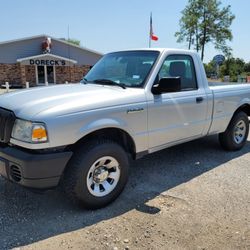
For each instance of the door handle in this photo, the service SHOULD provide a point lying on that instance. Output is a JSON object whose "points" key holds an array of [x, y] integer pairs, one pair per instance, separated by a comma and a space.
{"points": [[199, 99]]}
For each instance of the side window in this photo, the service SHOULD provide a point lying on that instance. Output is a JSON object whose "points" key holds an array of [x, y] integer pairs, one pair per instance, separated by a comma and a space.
{"points": [[182, 66]]}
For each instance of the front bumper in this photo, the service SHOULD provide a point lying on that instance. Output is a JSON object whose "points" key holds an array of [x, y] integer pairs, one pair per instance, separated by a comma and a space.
{"points": [[31, 169]]}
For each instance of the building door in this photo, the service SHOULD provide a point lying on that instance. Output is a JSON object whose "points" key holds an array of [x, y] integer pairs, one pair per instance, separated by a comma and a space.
{"points": [[45, 74], [40, 75], [50, 74]]}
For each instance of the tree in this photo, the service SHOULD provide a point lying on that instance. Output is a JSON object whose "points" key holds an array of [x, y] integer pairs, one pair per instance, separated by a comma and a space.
{"points": [[202, 22], [210, 68], [189, 26], [232, 67], [247, 68], [72, 41]]}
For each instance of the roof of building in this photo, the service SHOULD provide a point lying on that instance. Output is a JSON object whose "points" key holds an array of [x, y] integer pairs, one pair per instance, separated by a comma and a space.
{"points": [[53, 38]]}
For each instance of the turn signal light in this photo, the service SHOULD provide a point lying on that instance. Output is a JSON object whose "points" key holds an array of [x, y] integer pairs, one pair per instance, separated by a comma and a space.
{"points": [[39, 133]]}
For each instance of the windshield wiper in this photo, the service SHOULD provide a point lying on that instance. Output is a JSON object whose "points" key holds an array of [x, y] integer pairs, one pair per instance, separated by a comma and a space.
{"points": [[84, 81], [109, 82]]}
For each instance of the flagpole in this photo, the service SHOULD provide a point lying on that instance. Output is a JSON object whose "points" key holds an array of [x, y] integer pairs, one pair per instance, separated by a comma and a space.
{"points": [[150, 30], [152, 36]]}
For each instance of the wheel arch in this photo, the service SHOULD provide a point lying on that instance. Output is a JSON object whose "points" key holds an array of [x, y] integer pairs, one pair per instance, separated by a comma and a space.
{"points": [[117, 135], [243, 108], [228, 139]]}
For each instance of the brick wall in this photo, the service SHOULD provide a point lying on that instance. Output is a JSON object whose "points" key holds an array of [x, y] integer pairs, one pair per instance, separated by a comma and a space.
{"points": [[11, 73], [62, 74], [77, 72], [20, 74], [71, 74], [30, 74]]}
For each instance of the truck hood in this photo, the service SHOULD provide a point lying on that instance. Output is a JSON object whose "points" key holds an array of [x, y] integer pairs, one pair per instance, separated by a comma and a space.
{"points": [[35, 103]]}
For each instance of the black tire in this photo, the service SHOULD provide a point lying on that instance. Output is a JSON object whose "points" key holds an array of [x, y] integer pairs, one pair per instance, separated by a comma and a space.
{"points": [[228, 139], [77, 172]]}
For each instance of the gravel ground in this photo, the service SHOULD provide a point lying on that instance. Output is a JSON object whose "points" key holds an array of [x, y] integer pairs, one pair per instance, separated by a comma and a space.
{"points": [[192, 196]]}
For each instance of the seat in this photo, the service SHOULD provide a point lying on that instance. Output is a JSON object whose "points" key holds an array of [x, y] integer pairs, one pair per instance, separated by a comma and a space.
{"points": [[179, 69]]}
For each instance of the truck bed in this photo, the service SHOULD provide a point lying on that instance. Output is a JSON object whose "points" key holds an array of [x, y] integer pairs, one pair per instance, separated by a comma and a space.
{"points": [[227, 83]]}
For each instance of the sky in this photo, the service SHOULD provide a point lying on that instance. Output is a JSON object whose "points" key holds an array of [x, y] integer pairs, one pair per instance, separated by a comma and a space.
{"points": [[113, 25]]}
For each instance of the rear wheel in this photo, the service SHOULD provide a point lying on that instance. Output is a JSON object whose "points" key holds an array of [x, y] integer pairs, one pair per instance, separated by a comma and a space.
{"points": [[235, 136], [96, 174]]}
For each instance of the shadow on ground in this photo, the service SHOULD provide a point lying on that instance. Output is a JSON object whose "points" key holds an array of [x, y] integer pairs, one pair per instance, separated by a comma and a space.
{"points": [[26, 217]]}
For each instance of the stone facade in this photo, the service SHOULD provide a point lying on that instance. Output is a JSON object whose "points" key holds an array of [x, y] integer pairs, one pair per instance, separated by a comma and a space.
{"points": [[77, 72], [71, 74], [30, 74], [17, 74], [12, 73]]}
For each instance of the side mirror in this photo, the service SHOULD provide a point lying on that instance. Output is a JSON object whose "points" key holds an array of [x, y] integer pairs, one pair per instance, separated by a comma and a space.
{"points": [[166, 85]]}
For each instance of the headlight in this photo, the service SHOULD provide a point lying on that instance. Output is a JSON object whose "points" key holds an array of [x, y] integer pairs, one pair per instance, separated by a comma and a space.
{"points": [[29, 132]]}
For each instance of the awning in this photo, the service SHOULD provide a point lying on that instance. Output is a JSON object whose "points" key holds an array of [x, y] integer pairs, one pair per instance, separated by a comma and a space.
{"points": [[47, 60]]}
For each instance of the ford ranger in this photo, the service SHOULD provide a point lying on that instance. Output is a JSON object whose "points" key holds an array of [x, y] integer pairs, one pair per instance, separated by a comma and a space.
{"points": [[131, 103]]}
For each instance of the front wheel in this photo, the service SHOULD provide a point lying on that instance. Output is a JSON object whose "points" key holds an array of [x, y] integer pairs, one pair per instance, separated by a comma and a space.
{"points": [[96, 174], [235, 136]]}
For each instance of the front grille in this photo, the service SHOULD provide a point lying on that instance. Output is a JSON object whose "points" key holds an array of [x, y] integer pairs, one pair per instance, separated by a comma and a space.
{"points": [[7, 119], [15, 173]]}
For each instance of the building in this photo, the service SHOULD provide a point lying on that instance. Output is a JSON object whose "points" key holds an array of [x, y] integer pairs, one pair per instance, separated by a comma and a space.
{"points": [[43, 59]]}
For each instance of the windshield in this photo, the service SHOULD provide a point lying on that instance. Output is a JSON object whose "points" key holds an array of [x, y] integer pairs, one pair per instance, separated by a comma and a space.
{"points": [[128, 68]]}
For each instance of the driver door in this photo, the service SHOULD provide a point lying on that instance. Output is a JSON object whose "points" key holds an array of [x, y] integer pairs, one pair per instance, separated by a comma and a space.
{"points": [[177, 116]]}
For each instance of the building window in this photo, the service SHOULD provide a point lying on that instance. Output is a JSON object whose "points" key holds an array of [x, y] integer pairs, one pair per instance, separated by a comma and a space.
{"points": [[45, 74]]}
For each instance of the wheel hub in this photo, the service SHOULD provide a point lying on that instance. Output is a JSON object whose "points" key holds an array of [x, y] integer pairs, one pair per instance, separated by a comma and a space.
{"points": [[103, 176], [100, 175], [239, 132]]}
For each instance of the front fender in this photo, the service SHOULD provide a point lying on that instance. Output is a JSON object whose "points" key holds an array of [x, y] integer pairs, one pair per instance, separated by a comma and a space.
{"points": [[102, 124], [139, 137]]}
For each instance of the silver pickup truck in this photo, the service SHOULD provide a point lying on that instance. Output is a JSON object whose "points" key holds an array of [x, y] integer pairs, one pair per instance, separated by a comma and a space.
{"points": [[131, 103]]}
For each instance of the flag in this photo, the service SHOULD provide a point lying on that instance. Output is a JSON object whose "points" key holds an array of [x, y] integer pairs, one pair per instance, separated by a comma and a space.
{"points": [[151, 34]]}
